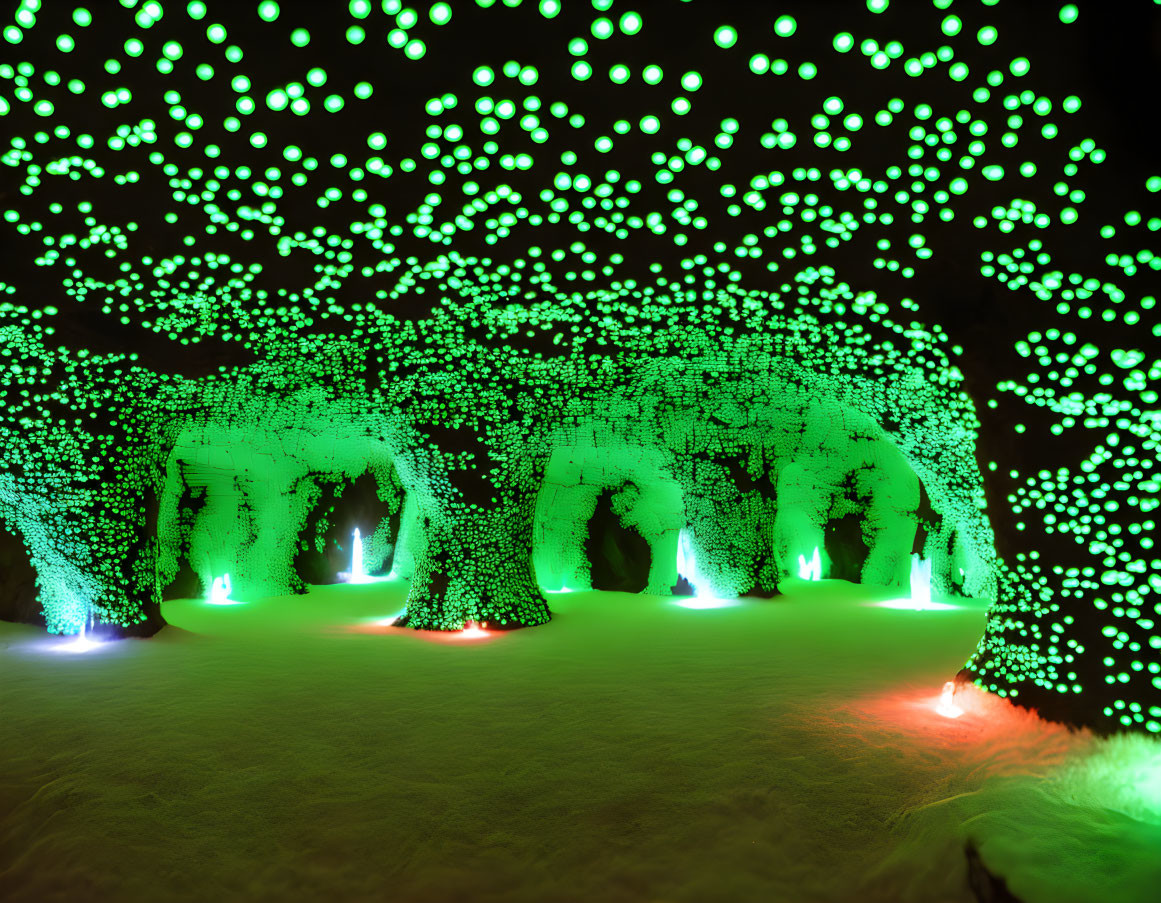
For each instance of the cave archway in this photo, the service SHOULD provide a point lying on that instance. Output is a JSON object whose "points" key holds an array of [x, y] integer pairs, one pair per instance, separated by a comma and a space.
{"points": [[648, 504], [371, 503], [619, 556]]}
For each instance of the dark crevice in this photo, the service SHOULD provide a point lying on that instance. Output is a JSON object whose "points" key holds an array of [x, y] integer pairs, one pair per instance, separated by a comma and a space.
{"points": [[846, 547], [343, 506], [619, 556]]}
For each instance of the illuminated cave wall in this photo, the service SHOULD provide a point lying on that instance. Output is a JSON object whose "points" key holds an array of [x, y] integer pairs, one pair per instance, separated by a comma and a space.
{"points": [[747, 271]]}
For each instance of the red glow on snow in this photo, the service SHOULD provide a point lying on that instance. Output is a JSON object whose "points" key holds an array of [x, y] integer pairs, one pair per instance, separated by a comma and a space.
{"points": [[384, 626], [991, 733], [947, 707], [471, 633]]}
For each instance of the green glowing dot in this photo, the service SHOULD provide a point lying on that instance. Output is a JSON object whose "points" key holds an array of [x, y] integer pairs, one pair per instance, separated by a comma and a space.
{"points": [[952, 26], [1071, 103], [878, 6], [843, 41], [550, 9], [82, 17], [195, 9], [440, 13], [602, 28], [1069, 13], [300, 37], [987, 35], [726, 36], [581, 70], [216, 33], [356, 34], [630, 23], [759, 63], [619, 74], [650, 124], [785, 26], [652, 74], [807, 71], [603, 144], [65, 43], [268, 10], [1153, 183], [1020, 66], [691, 81]]}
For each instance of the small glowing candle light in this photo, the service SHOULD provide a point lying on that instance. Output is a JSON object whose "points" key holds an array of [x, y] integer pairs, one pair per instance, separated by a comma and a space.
{"points": [[947, 707]]}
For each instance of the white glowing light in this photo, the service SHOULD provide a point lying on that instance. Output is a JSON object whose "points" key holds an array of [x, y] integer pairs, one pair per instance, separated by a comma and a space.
{"points": [[947, 707], [920, 590], [687, 560], [810, 570], [920, 581], [81, 642], [700, 603], [472, 629], [220, 592], [909, 605], [357, 574]]}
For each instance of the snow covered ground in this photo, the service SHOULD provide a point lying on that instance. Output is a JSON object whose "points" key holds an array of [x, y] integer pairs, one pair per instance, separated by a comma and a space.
{"points": [[632, 750]]}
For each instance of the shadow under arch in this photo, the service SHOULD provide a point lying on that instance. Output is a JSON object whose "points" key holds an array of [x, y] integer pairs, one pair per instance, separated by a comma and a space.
{"points": [[19, 599]]}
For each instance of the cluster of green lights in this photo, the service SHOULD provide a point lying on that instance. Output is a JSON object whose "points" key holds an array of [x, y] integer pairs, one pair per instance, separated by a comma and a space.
{"points": [[313, 254]]}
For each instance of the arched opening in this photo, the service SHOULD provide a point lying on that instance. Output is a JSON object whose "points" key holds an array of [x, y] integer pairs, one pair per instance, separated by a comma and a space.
{"points": [[371, 504], [620, 557], [604, 513], [18, 595]]}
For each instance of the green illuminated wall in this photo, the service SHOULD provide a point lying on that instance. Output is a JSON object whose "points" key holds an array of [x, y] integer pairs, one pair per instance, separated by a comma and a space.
{"points": [[505, 256]]}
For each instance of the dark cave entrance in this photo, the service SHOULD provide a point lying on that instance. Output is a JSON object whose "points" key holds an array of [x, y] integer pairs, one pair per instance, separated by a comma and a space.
{"points": [[18, 594], [846, 548], [324, 548], [619, 556], [185, 583]]}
